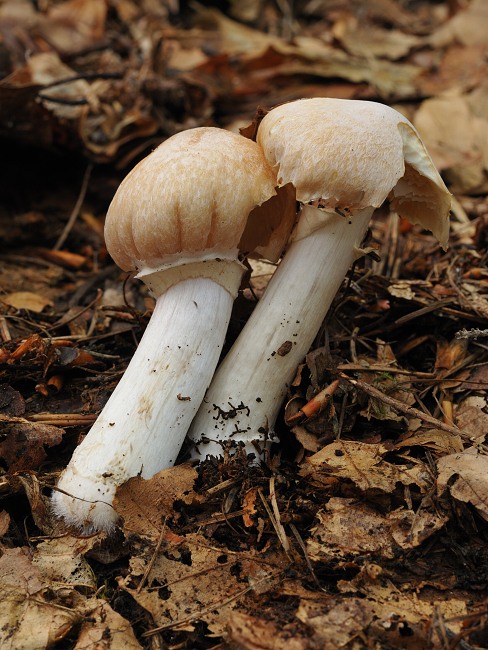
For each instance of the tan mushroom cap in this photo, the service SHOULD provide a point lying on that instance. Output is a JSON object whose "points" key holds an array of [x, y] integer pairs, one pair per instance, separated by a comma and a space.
{"points": [[354, 154], [187, 200]]}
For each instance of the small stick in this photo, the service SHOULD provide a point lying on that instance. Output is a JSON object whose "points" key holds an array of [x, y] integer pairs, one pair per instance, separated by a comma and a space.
{"points": [[301, 544], [62, 419], [404, 408], [153, 558], [74, 214], [276, 525]]}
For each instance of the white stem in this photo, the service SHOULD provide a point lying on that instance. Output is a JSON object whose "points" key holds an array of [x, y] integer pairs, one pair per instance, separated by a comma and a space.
{"points": [[143, 425], [248, 388]]}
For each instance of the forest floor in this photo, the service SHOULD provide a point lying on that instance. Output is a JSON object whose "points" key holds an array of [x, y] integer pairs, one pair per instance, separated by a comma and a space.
{"points": [[368, 526]]}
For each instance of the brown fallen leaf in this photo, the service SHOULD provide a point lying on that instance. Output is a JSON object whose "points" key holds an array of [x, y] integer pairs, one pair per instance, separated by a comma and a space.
{"points": [[200, 582], [455, 130], [22, 447], [472, 417], [370, 41], [61, 562], [449, 354], [363, 464], [467, 26], [255, 633], [27, 300], [28, 617], [105, 629], [409, 529], [249, 507], [398, 613], [4, 522], [11, 401], [144, 504], [465, 475], [74, 25], [347, 528], [439, 441], [335, 626]]}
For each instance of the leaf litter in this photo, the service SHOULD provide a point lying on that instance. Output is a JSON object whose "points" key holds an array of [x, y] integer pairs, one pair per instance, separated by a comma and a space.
{"points": [[368, 526]]}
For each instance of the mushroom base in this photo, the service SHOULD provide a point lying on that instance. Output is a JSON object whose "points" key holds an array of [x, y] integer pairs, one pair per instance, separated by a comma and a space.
{"points": [[250, 385], [143, 425]]}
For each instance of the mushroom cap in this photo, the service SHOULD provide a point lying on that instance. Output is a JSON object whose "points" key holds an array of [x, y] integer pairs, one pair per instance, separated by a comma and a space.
{"points": [[354, 154], [188, 200]]}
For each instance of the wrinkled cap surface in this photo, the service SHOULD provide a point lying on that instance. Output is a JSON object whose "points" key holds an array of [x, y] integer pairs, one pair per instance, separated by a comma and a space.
{"points": [[354, 154], [191, 195]]}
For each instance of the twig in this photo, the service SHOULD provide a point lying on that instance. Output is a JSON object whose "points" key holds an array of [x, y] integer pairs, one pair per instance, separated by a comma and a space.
{"points": [[473, 333], [374, 367], [153, 558], [62, 419], [276, 525], [74, 214], [276, 511], [87, 76], [62, 322], [424, 310], [305, 555], [404, 408]]}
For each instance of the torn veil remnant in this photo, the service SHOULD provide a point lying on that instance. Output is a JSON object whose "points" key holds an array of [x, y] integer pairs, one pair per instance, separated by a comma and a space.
{"points": [[344, 159], [176, 219]]}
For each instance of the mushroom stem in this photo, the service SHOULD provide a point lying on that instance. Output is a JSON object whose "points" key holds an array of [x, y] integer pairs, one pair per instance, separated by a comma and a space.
{"points": [[141, 428], [248, 388]]}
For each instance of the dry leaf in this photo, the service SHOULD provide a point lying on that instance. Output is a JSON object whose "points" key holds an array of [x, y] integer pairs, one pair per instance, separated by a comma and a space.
{"points": [[449, 354], [23, 445], [28, 620], [199, 583], [74, 25], [468, 26], [254, 633], [363, 464], [399, 614], [11, 401], [104, 629], [456, 139], [61, 562], [409, 529], [144, 504], [472, 417], [439, 441], [465, 475], [402, 290], [27, 300], [369, 41], [249, 506], [334, 627], [4, 522], [348, 528]]}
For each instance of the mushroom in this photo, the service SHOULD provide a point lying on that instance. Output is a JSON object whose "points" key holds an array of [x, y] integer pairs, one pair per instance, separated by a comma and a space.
{"points": [[176, 219], [344, 158]]}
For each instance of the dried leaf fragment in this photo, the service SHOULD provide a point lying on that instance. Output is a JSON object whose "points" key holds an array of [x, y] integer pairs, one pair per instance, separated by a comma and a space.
{"points": [[27, 619], [465, 475], [27, 300], [23, 445], [143, 504], [104, 629], [364, 465], [336, 626]]}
